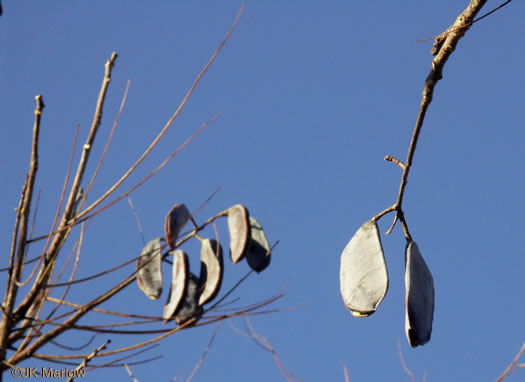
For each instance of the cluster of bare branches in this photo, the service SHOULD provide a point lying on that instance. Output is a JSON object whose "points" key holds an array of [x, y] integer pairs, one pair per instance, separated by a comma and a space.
{"points": [[30, 320]]}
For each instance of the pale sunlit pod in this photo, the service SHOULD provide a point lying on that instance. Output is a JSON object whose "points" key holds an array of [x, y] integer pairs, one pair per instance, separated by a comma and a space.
{"points": [[179, 282], [190, 304], [419, 297], [176, 219], [363, 275], [149, 269], [258, 253], [210, 278], [239, 228]]}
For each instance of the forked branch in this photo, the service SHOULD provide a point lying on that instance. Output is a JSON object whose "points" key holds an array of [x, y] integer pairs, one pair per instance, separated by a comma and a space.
{"points": [[444, 46]]}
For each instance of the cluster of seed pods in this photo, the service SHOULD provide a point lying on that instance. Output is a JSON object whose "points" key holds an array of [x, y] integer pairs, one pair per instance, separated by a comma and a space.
{"points": [[364, 282], [189, 293]]}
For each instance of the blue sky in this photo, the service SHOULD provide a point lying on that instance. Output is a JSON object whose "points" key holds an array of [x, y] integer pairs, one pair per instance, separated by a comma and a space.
{"points": [[313, 96]]}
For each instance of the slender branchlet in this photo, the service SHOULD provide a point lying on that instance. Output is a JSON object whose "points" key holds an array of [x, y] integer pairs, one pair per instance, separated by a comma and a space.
{"points": [[444, 46]]}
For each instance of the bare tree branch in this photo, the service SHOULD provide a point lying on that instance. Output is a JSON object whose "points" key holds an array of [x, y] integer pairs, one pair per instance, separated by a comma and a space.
{"points": [[89, 358], [513, 365], [444, 46], [14, 273]]}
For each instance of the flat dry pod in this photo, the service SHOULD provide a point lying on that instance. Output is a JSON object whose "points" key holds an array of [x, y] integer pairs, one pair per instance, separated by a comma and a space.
{"points": [[190, 304], [149, 269], [175, 220], [258, 253], [239, 227], [210, 278], [363, 275], [419, 297], [179, 281]]}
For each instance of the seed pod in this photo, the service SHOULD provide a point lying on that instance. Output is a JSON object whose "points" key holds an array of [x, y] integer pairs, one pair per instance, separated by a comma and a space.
{"points": [[179, 282], [363, 274], [149, 269], [419, 297], [239, 227], [258, 253], [190, 304], [175, 221], [210, 278]]}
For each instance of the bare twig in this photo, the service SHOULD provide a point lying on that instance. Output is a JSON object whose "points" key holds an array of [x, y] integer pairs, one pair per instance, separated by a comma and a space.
{"points": [[347, 379], [263, 342], [93, 354], [101, 160], [205, 352], [74, 348], [115, 362], [405, 367], [137, 219], [445, 48], [14, 239], [513, 365], [130, 373]]}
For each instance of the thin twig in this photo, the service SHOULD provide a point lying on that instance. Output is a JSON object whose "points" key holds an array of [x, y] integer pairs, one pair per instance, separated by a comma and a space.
{"points": [[205, 352], [103, 311], [263, 342], [74, 348], [130, 373], [445, 49], [115, 362], [108, 142], [89, 358], [137, 219], [14, 240], [405, 367], [512, 365], [347, 379]]}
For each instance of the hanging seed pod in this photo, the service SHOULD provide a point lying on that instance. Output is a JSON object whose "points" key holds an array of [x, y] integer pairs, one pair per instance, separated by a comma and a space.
{"points": [[258, 253], [419, 297], [363, 275], [179, 282], [175, 221], [149, 269], [239, 227], [210, 278], [190, 304]]}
